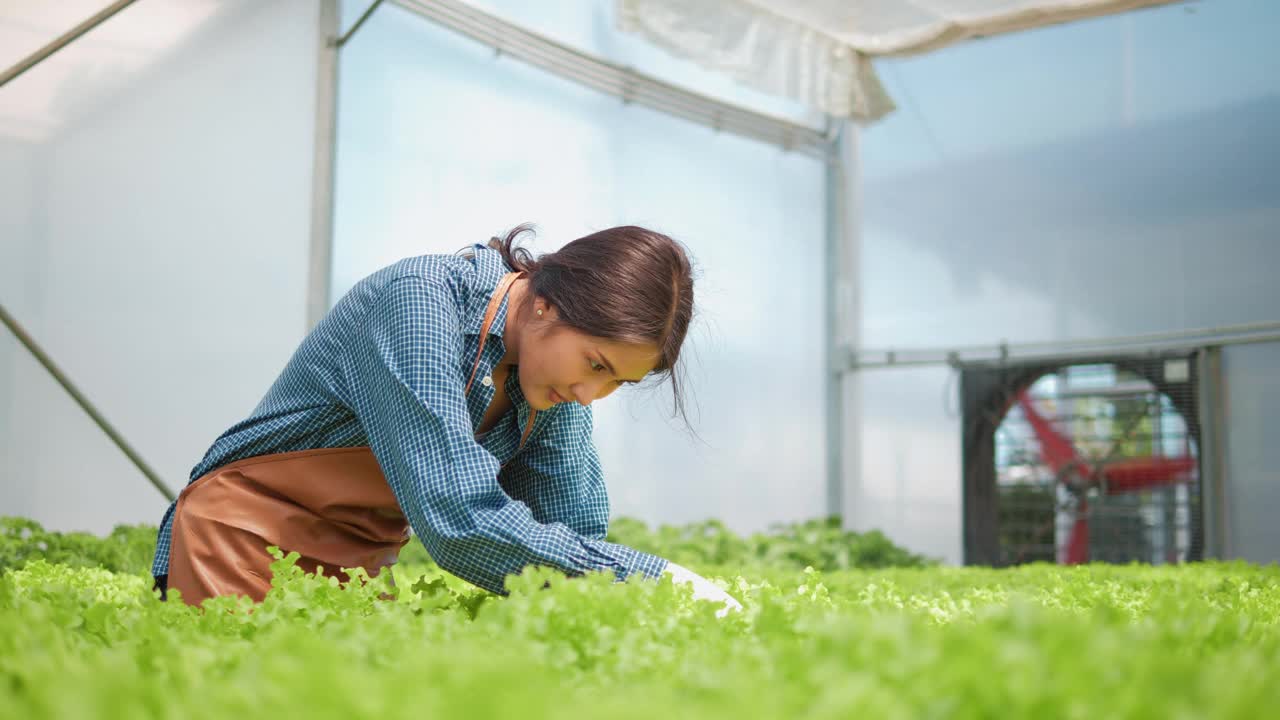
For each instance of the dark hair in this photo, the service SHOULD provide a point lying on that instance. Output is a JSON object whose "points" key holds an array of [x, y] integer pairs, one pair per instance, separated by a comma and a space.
{"points": [[626, 284]]}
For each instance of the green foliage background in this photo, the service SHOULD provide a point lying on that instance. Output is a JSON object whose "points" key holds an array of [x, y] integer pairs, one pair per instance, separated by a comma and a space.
{"points": [[1037, 641]]}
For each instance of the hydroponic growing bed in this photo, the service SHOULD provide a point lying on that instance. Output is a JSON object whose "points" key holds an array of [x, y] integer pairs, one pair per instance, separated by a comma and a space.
{"points": [[922, 641]]}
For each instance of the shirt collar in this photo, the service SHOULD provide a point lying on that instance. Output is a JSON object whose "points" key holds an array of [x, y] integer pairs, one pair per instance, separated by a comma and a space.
{"points": [[489, 271]]}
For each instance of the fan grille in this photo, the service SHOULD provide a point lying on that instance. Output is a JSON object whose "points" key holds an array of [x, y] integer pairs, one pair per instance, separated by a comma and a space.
{"points": [[1118, 426]]}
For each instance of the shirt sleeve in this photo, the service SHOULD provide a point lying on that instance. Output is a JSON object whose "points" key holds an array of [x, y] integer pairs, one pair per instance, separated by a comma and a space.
{"points": [[558, 475], [406, 386]]}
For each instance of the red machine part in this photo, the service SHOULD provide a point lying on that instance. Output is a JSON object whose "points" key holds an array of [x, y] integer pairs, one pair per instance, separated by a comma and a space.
{"points": [[1113, 477]]}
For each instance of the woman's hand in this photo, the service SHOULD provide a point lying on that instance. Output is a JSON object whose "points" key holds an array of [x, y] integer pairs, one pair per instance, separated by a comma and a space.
{"points": [[703, 589]]}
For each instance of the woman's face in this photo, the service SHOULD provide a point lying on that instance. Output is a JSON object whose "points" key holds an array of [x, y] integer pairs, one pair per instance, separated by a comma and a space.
{"points": [[560, 364]]}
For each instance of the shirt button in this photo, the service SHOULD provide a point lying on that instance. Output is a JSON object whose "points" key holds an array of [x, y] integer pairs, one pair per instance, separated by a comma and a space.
{"points": [[487, 381]]}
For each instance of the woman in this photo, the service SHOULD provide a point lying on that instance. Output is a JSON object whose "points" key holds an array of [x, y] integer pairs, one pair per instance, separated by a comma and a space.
{"points": [[451, 395]]}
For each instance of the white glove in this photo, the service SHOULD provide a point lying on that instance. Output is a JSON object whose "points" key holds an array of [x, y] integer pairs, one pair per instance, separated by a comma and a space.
{"points": [[703, 589]]}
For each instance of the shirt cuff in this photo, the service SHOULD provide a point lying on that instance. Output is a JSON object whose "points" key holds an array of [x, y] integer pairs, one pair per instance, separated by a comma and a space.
{"points": [[650, 565]]}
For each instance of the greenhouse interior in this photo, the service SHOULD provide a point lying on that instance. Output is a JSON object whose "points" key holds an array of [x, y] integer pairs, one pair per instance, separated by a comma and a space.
{"points": [[976, 412]]}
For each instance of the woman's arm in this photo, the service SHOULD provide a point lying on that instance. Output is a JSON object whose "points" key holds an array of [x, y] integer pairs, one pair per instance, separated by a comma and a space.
{"points": [[560, 478], [406, 388], [558, 474]]}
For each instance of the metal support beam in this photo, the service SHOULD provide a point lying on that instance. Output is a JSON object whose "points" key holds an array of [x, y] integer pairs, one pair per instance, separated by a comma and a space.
{"points": [[339, 42], [320, 266], [1190, 339], [841, 310], [63, 40], [621, 82], [43, 358], [833, 390], [1213, 466]]}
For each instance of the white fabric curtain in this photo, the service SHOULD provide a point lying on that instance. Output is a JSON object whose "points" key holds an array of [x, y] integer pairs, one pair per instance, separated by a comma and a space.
{"points": [[819, 51]]}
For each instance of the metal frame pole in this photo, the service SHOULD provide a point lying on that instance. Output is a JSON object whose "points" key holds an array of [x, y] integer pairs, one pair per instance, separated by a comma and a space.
{"points": [[623, 82], [842, 311], [340, 41], [320, 266], [833, 390], [1213, 466], [63, 40], [1190, 339], [44, 359]]}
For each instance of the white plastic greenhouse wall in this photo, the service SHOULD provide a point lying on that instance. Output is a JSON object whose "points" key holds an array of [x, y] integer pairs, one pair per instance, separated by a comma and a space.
{"points": [[156, 185], [157, 245], [440, 145], [1106, 178], [1103, 178]]}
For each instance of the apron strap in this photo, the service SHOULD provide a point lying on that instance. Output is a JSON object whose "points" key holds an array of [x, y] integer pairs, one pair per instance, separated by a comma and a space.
{"points": [[491, 312], [528, 426]]}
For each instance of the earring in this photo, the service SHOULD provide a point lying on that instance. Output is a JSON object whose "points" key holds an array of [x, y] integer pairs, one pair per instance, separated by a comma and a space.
{"points": [[539, 313]]}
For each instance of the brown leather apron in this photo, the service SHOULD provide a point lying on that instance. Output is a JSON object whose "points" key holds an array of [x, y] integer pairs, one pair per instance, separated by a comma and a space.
{"points": [[331, 505]]}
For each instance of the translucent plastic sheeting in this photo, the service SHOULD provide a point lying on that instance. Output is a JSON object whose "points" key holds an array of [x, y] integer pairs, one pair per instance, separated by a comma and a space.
{"points": [[442, 145], [155, 190], [903, 460], [1115, 178], [95, 66], [819, 51], [1252, 383], [592, 26]]}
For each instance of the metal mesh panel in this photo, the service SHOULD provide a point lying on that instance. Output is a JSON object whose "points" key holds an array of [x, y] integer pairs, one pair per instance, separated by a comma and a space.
{"points": [[1086, 462]]}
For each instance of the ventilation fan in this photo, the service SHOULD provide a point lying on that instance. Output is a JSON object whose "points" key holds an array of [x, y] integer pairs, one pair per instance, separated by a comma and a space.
{"points": [[1111, 462]]}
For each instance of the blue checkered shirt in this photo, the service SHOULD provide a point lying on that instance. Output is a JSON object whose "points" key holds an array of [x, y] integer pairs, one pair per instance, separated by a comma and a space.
{"points": [[387, 367]]}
